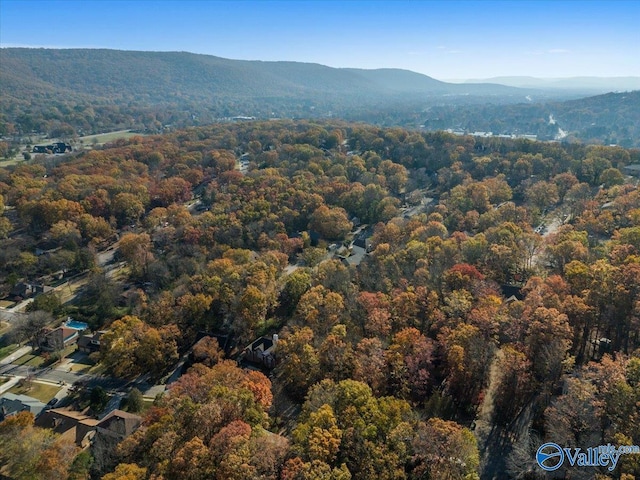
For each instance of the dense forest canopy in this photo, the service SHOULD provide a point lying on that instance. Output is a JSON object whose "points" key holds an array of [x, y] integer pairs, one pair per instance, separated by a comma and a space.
{"points": [[494, 305]]}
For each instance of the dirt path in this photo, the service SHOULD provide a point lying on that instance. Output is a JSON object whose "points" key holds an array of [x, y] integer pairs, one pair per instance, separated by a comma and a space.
{"points": [[552, 222]]}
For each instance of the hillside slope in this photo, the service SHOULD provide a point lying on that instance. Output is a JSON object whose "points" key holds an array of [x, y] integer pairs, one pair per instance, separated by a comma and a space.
{"points": [[612, 118], [163, 75], [64, 92]]}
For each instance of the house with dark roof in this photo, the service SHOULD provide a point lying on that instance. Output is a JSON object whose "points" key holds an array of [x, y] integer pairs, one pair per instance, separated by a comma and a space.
{"points": [[359, 247], [262, 351], [362, 241], [119, 424], [110, 431], [355, 257], [90, 343], [12, 404], [24, 290], [510, 291], [57, 147]]}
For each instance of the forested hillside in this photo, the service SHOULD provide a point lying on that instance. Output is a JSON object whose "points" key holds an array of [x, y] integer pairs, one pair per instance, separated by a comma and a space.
{"points": [[69, 92], [613, 118], [443, 304], [162, 76]]}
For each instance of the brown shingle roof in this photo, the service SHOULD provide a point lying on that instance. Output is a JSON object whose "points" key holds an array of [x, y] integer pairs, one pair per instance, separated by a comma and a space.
{"points": [[120, 423], [70, 424]]}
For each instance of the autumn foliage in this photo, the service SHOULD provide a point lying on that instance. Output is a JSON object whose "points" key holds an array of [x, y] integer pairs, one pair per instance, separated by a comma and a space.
{"points": [[489, 296]]}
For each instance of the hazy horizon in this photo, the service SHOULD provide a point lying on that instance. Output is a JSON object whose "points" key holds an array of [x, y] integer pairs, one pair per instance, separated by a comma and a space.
{"points": [[445, 40], [450, 80]]}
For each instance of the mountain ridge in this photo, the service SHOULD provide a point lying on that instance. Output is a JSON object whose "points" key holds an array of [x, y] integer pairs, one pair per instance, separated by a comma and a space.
{"points": [[586, 83], [192, 72], [66, 92]]}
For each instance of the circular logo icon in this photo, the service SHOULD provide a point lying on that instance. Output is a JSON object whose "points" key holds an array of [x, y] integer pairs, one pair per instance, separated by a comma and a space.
{"points": [[550, 457]]}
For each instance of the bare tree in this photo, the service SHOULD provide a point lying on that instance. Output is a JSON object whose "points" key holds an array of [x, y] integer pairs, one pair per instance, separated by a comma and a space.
{"points": [[31, 327], [521, 463], [27, 382]]}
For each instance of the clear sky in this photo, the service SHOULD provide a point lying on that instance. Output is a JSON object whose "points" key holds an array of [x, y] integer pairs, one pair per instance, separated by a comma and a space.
{"points": [[452, 39]]}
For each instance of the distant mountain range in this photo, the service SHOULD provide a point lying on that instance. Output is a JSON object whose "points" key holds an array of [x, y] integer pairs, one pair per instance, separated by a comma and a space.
{"points": [[67, 92], [159, 76], [585, 84]]}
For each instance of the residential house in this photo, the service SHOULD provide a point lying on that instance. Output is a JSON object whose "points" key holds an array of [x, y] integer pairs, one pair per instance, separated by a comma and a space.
{"points": [[355, 258], [119, 424], [262, 351], [70, 424], [362, 238], [360, 246], [110, 431], [58, 338], [90, 343], [46, 246], [57, 147], [363, 243], [24, 290], [11, 404], [510, 291]]}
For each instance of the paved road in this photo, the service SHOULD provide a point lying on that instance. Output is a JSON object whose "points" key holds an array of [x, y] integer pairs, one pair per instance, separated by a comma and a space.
{"points": [[14, 313], [8, 384], [10, 316], [57, 376]]}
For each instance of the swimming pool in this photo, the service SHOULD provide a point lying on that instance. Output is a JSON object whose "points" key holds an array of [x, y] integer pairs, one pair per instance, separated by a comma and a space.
{"points": [[76, 325]]}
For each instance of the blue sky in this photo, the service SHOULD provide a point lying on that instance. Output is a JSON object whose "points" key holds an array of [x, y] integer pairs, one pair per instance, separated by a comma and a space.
{"points": [[452, 39]]}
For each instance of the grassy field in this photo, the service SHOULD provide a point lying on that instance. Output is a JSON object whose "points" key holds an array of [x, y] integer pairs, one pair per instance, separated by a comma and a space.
{"points": [[79, 362], [6, 162], [4, 327], [69, 290], [102, 138], [8, 350], [97, 369], [146, 405], [40, 391], [69, 350], [30, 360], [87, 141], [79, 367]]}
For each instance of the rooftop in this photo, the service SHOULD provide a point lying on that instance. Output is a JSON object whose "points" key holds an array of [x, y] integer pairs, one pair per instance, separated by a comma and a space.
{"points": [[263, 344]]}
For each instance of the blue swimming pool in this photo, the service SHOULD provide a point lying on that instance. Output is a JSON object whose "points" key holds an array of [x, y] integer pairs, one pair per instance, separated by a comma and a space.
{"points": [[76, 325]]}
